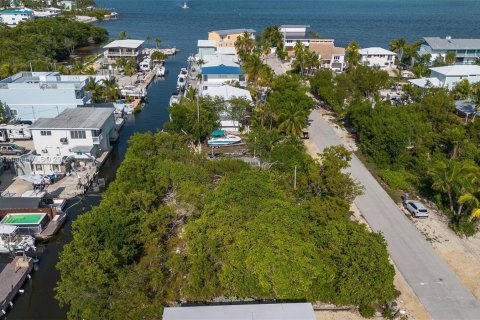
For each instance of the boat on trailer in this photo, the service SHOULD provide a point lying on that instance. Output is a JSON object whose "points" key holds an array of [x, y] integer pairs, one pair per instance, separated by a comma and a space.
{"points": [[219, 139]]}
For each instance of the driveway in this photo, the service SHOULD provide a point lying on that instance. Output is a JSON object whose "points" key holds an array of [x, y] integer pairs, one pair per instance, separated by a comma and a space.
{"points": [[435, 284]]}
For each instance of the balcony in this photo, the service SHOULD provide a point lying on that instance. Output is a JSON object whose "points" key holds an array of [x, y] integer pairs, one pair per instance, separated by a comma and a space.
{"points": [[96, 140]]}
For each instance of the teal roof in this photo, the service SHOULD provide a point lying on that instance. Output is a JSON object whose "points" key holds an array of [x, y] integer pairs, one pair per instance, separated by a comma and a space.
{"points": [[16, 12]]}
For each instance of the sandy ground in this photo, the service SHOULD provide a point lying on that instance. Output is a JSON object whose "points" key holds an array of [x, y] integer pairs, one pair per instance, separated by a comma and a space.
{"points": [[407, 300], [462, 254]]}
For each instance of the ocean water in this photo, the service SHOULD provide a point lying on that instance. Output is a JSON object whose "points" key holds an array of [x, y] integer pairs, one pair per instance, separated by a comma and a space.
{"points": [[370, 22]]}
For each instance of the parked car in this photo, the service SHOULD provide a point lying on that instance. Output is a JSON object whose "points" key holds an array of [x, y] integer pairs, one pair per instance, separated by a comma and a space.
{"points": [[12, 149], [416, 208]]}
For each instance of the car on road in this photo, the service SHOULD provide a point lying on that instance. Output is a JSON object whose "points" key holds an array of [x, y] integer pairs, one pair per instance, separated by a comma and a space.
{"points": [[416, 208], [12, 149]]}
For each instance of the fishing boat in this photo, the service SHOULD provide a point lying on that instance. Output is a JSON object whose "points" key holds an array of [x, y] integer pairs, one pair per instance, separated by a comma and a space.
{"points": [[219, 138], [160, 71], [11, 241], [185, 6]]}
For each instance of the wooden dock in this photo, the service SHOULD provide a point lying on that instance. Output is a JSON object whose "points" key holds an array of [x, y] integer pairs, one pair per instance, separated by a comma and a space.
{"points": [[12, 278]]}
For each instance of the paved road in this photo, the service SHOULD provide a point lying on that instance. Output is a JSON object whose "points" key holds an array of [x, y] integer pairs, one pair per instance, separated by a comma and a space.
{"points": [[436, 285]]}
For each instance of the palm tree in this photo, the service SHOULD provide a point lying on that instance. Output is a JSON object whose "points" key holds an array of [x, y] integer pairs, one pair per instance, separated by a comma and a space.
{"points": [[122, 35], [353, 56], [450, 57], [7, 69], [78, 67], [89, 71], [130, 68], [95, 88], [244, 44], [157, 41], [252, 67], [449, 177], [191, 94], [121, 62], [110, 90], [147, 39], [398, 46], [292, 121]]}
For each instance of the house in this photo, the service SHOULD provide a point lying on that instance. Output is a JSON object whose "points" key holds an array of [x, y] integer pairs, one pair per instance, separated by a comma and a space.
{"points": [[293, 34], [47, 12], [219, 69], [227, 38], [378, 57], [33, 95], [466, 50], [80, 133], [449, 76], [227, 93], [331, 57], [206, 47], [68, 5], [15, 16], [277, 311], [128, 49]]}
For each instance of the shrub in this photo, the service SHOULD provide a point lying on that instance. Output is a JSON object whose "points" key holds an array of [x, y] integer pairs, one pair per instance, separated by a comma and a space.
{"points": [[400, 180], [367, 311], [463, 226]]}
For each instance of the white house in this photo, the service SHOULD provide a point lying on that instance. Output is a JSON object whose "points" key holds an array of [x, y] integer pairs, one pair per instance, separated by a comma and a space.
{"points": [[331, 57], [128, 49], [33, 95], [227, 93], [80, 133], [466, 50], [293, 33], [378, 57], [219, 69], [15, 16], [449, 76]]}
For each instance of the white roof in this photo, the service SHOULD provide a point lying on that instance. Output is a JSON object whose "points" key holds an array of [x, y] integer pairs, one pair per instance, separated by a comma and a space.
{"points": [[426, 82], [458, 70], [214, 60], [129, 43], [227, 92], [280, 311], [206, 43], [226, 51], [376, 51]]}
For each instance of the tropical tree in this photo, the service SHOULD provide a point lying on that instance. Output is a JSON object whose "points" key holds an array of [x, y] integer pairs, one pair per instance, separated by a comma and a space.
{"points": [[95, 87], [157, 41], [292, 120], [398, 46], [157, 55], [122, 35], [352, 55], [244, 44], [252, 66], [191, 93], [7, 69], [147, 39], [121, 62], [111, 92], [78, 67], [130, 67], [451, 57]]}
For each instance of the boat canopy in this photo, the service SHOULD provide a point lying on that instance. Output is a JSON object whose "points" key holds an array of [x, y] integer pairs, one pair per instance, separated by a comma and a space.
{"points": [[217, 133]]}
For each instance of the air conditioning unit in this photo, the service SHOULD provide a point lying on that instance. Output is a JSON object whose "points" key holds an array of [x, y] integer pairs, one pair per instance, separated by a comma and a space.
{"points": [[64, 140], [44, 150]]}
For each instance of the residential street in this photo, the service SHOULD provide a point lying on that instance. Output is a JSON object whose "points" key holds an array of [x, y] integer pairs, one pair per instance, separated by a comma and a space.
{"points": [[435, 284]]}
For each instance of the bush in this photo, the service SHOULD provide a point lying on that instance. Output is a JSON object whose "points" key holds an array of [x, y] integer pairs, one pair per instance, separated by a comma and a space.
{"points": [[367, 311], [463, 226], [400, 180]]}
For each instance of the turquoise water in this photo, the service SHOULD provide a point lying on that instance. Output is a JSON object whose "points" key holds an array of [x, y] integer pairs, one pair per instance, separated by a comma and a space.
{"points": [[370, 22]]}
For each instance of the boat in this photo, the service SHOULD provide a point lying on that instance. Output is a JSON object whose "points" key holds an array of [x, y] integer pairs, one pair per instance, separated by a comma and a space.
{"points": [[174, 98], [146, 65], [185, 6], [11, 241], [160, 71], [219, 138], [181, 81]]}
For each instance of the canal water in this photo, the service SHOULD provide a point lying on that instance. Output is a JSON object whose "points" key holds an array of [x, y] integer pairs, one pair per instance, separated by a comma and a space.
{"points": [[370, 22]]}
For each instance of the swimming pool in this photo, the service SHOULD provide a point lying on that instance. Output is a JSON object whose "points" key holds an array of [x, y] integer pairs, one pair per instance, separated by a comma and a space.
{"points": [[23, 218]]}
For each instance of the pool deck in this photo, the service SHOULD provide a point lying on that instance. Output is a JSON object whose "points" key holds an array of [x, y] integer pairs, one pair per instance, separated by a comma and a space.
{"points": [[12, 278]]}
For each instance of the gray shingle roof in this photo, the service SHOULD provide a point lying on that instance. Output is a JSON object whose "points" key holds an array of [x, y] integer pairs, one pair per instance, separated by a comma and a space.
{"points": [[233, 31], [437, 43], [75, 118]]}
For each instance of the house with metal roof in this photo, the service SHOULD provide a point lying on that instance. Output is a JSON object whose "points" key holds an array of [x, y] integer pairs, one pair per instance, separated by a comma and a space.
{"points": [[33, 95], [272, 311], [378, 57], [80, 133], [227, 38], [466, 50], [449, 76], [13, 17], [128, 49]]}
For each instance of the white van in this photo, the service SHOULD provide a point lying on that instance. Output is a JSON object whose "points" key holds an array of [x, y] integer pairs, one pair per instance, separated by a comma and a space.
{"points": [[14, 132]]}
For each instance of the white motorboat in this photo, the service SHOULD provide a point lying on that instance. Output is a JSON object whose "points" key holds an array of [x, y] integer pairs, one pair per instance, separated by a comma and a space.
{"points": [[185, 6], [175, 98], [225, 140], [181, 81], [11, 241], [160, 71], [146, 65]]}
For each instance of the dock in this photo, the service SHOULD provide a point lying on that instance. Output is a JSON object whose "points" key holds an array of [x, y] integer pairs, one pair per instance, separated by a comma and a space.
{"points": [[53, 226], [12, 278], [135, 86]]}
